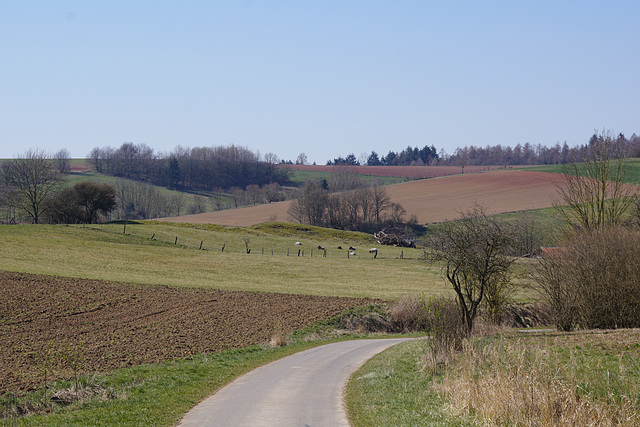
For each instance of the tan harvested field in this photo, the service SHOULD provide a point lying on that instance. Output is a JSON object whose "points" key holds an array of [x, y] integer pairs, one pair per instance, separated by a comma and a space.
{"points": [[431, 200]]}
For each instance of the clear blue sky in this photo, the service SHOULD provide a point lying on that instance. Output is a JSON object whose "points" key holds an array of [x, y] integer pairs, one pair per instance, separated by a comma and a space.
{"points": [[326, 78]]}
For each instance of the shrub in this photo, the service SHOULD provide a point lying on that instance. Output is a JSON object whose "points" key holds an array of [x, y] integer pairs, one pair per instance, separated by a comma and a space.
{"points": [[594, 281]]}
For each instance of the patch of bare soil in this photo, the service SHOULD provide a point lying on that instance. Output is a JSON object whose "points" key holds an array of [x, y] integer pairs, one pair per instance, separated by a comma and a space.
{"points": [[46, 321]]}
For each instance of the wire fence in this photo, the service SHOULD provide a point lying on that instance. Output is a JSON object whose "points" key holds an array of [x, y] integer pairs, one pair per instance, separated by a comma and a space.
{"points": [[245, 246]]}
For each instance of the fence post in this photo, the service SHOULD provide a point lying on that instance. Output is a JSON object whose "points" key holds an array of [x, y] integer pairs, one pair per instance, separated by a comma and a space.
{"points": [[201, 242], [176, 242]]}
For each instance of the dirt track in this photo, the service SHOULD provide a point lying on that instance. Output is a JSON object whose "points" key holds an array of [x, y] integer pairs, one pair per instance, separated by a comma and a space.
{"points": [[112, 325], [431, 200]]}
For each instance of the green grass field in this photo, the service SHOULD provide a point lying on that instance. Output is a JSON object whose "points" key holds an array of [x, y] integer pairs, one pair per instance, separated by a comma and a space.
{"points": [[633, 176], [104, 252]]}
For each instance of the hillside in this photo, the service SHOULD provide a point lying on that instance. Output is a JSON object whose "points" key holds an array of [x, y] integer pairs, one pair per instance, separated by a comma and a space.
{"points": [[431, 200]]}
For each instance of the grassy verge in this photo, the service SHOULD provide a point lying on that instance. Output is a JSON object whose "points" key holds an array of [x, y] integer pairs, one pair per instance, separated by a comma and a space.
{"points": [[390, 390], [585, 378]]}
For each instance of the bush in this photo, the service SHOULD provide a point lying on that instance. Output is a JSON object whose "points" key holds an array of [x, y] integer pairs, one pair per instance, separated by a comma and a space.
{"points": [[440, 318], [594, 280]]}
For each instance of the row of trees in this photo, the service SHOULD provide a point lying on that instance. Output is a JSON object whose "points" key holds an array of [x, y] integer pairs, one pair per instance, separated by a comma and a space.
{"points": [[366, 209], [199, 168], [410, 156], [533, 154], [521, 154]]}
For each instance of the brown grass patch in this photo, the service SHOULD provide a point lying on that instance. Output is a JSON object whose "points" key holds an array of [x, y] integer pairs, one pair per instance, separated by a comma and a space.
{"points": [[583, 379]]}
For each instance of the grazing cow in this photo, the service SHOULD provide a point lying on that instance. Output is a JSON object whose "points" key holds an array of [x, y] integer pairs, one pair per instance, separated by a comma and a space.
{"points": [[320, 248], [351, 248], [339, 247], [352, 253], [299, 243], [374, 251]]}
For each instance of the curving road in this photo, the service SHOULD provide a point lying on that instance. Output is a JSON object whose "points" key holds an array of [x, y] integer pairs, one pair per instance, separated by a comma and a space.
{"points": [[304, 389]]}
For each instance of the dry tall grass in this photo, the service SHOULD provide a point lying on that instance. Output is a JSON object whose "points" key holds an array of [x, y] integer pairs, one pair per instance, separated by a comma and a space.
{"points": [[508, 383]]}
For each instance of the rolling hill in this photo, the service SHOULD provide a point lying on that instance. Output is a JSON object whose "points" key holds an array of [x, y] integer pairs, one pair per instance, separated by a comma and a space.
{"points": [[431, 200]]}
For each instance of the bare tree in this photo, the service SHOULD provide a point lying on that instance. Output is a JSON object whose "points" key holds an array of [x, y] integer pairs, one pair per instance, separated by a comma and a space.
{"points": [[63, 161], [302, 159], [217, 198], [380, 201], [237, 195], [199, 205], [175, 204], [595, 193], [272, 192], [31, 180], [254, 194], [310, 207], [139, 200], [475, 252]]}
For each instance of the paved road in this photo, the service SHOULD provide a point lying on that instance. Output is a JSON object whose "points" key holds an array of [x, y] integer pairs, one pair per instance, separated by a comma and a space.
{"points": [[304, 389]]}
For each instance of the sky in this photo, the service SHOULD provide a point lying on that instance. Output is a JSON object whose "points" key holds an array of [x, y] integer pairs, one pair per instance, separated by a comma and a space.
{"points": [[324, 78]]}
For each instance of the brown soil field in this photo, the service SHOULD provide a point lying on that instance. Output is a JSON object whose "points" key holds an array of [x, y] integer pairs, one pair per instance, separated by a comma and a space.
{"points": [[113, 325], [431, 200], [413, 172]]}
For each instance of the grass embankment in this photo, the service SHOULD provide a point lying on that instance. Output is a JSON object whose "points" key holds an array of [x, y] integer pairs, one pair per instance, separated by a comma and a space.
{"points": [[585, 378]]}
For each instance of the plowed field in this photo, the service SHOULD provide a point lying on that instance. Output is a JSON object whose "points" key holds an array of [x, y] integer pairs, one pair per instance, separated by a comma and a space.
{"points": [[45, 320], [430, 200]]}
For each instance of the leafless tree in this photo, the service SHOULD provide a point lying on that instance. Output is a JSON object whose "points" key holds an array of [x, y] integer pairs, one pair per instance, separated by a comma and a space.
{"points": [[254, 194], [474, 251], [63, 161], [594, 193], [237, 195], [31, 180], [175, 204], [380, 201], [301, 159], [199, 205], [272, 192]]}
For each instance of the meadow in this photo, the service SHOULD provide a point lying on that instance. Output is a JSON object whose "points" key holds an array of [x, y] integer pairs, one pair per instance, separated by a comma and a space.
{"points": [[395, 386], [127, 253]]}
